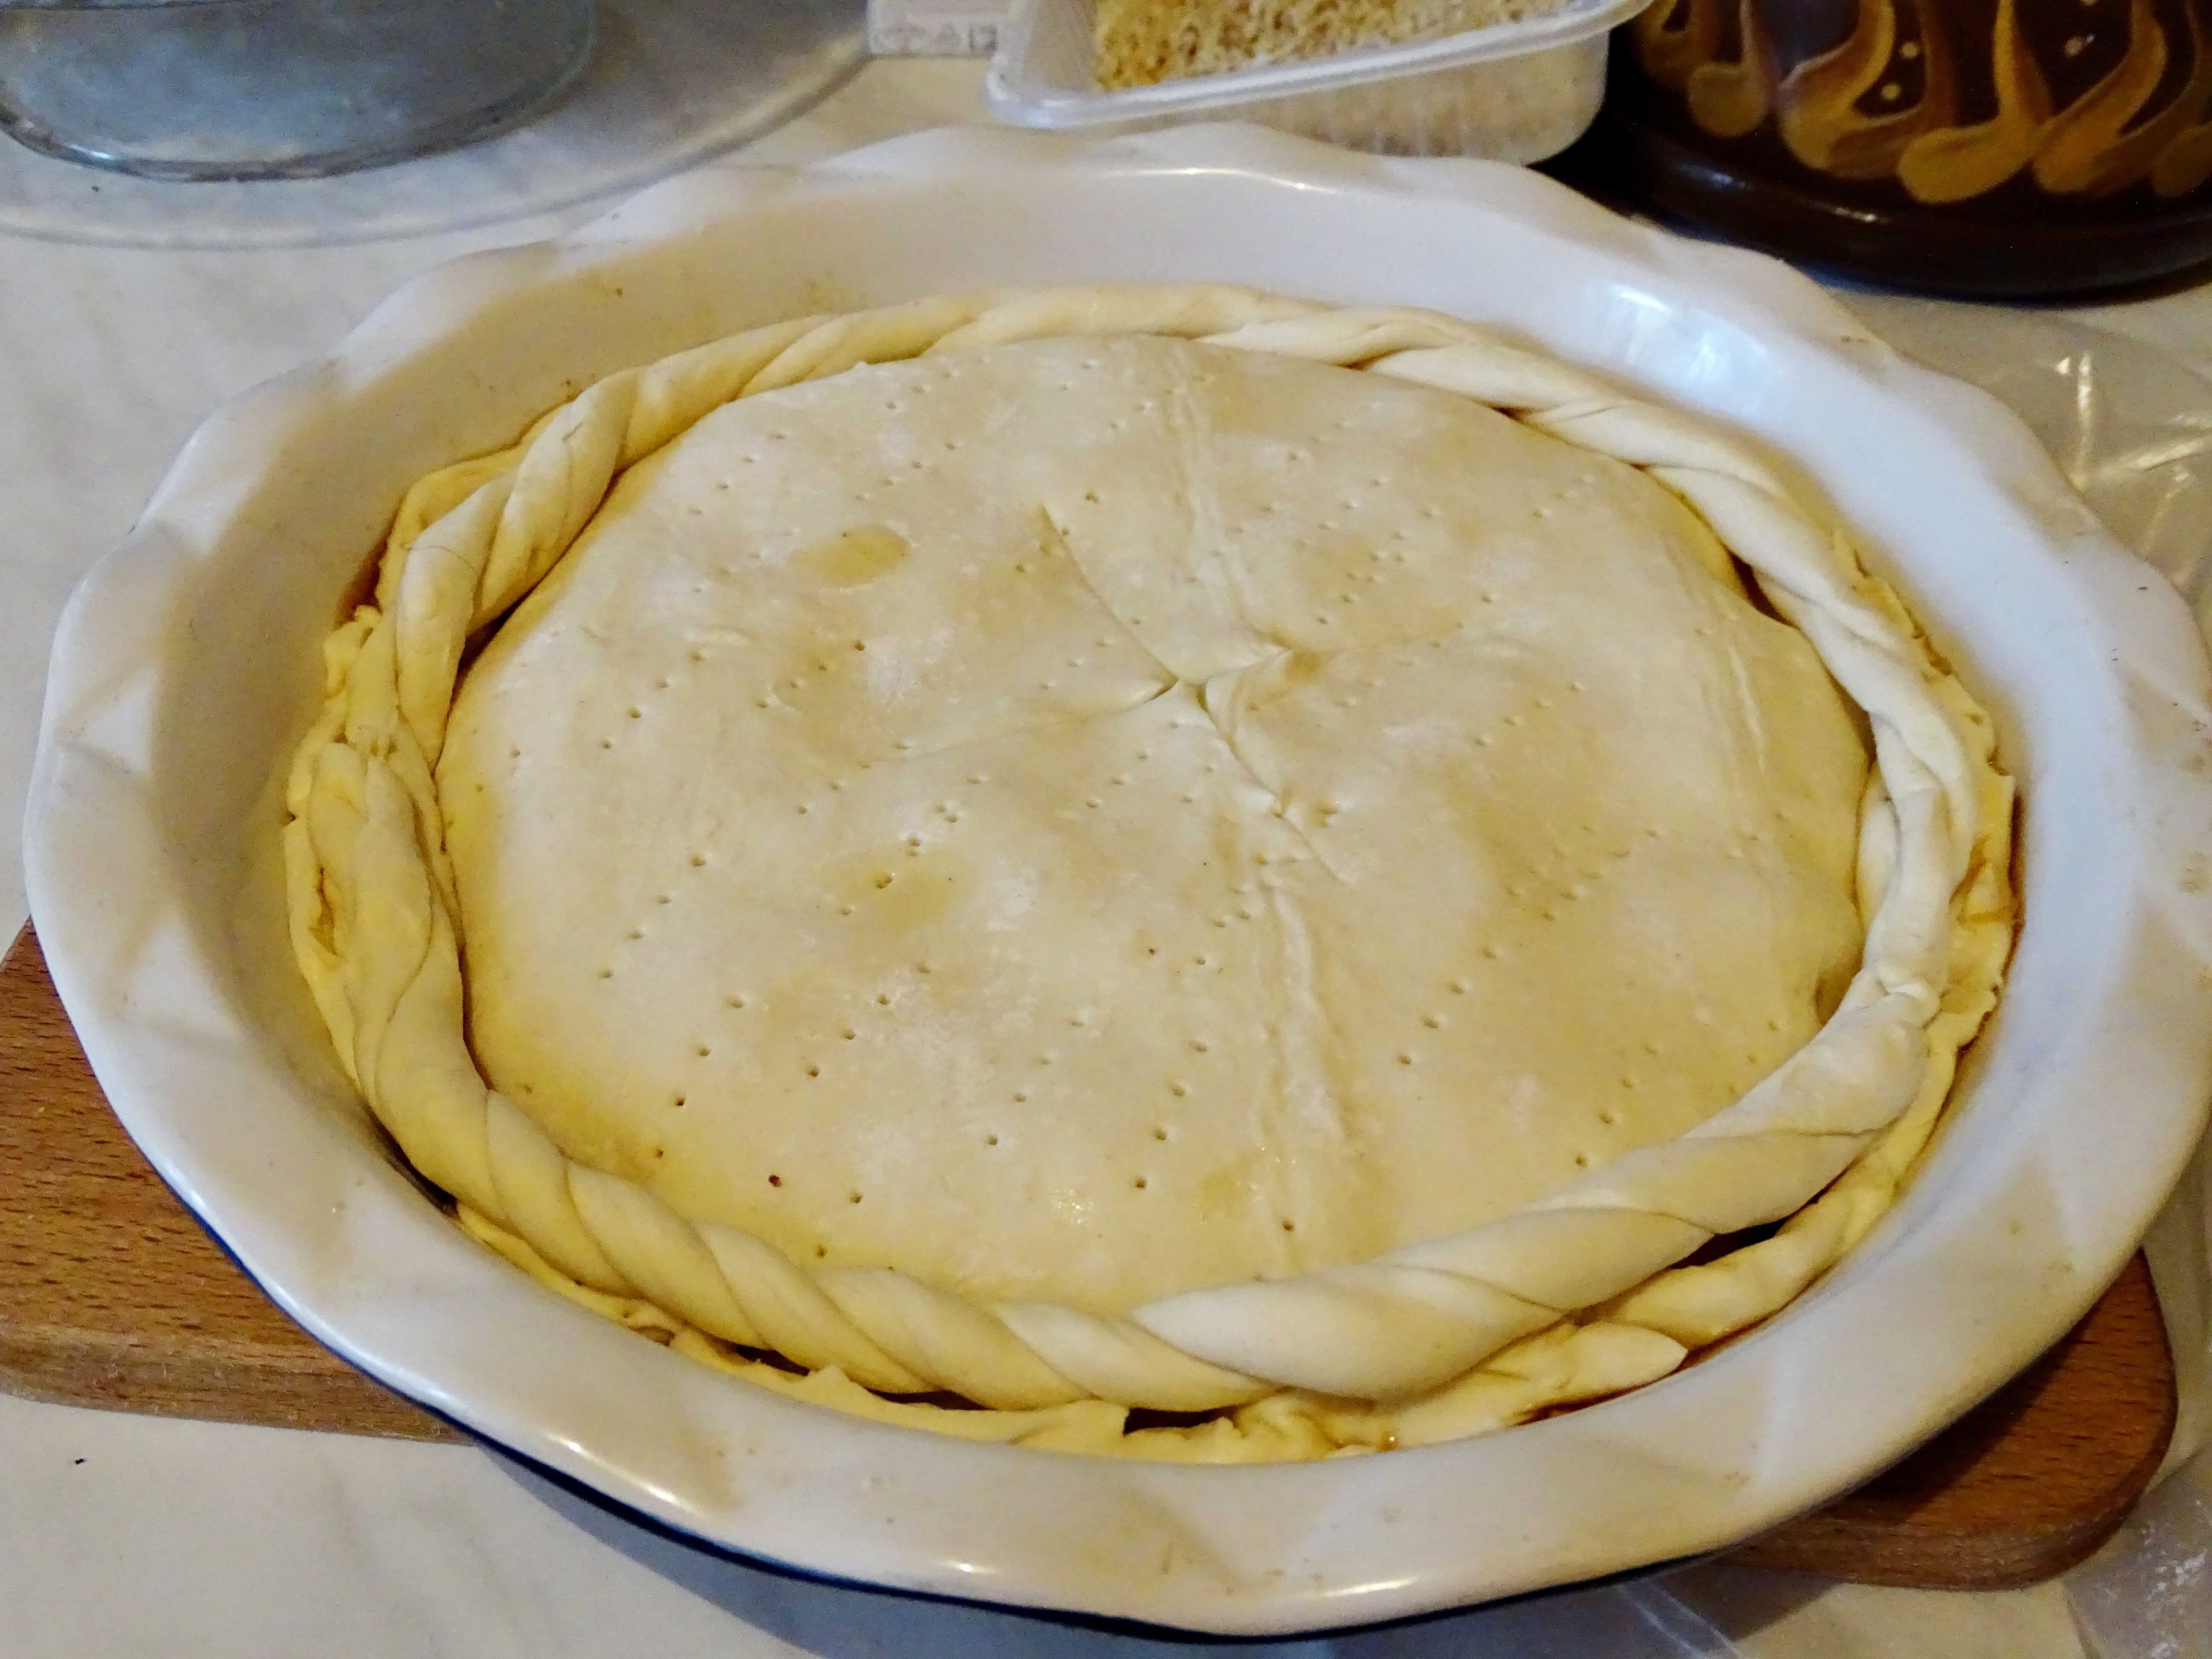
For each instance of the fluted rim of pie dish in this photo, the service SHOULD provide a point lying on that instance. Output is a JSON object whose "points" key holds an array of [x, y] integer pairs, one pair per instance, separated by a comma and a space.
{"points": [[2075, 1114]]}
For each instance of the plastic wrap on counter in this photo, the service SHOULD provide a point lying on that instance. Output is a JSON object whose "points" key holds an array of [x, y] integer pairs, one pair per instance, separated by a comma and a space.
{"points": [[2131, 427]]}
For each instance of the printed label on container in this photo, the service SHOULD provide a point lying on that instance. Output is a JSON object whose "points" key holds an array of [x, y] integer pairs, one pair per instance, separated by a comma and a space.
{"points": [[936, 28]]}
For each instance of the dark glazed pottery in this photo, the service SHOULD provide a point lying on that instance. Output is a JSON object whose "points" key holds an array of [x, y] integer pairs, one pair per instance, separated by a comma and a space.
{"points": [[1992, 147]]}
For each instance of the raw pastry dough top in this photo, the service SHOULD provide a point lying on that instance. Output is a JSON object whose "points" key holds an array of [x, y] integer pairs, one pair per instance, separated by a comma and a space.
{"points": [[1089, 819]]}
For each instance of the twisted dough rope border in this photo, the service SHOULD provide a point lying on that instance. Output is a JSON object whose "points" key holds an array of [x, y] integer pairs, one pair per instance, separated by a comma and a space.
{"points": [[1574, 1287]]}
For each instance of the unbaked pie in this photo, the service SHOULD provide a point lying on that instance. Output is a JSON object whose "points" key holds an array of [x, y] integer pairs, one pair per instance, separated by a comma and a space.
{"points": [[1025, 858]]}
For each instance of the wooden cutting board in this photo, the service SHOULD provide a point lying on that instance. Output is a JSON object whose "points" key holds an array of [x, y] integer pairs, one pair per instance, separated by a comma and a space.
{"points": [[112, 1295]]}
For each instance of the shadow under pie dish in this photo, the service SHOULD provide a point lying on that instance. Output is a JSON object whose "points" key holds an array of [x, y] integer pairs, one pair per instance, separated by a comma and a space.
{"points": [[1160, 849]]}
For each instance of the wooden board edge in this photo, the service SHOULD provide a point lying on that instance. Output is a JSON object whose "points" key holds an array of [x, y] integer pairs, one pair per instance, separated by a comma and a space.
{"points": [[249, 1394], [1871, 1537]]}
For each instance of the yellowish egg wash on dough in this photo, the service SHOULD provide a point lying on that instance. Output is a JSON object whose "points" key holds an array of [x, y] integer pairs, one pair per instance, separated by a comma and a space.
{"points": [[1044, 612]]}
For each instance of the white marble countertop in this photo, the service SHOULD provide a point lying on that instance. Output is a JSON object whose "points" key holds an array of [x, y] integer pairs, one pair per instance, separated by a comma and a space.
{"points": [[123, 1534]]}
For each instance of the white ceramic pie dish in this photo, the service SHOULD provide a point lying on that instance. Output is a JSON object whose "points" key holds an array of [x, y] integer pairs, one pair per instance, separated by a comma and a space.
{"points": [[186, 667]]}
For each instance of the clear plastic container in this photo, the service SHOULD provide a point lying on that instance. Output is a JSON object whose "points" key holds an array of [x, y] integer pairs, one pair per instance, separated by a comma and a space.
{"points": [[1513, 91], [277, 88]]}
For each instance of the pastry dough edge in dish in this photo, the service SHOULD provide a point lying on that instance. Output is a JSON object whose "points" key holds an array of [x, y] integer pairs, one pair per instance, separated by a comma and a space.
{"points": [[1451, 1337]]}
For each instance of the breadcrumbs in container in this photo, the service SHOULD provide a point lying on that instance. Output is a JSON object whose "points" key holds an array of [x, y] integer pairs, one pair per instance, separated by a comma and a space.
{"points": [[1521, 83]]}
